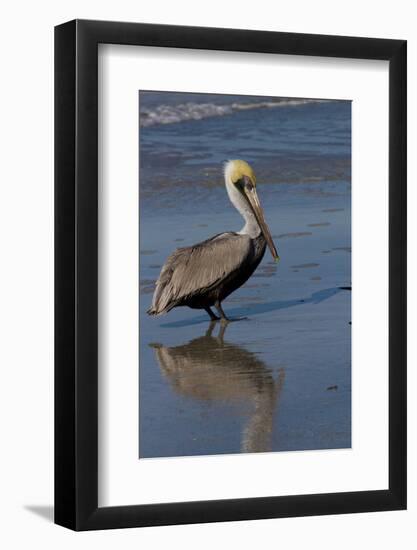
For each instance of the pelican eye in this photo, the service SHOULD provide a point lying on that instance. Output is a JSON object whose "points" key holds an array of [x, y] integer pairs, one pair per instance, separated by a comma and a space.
{"points": [[244, 183]]}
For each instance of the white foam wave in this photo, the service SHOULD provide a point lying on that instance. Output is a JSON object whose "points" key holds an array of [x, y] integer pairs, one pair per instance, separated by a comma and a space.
{"points": [[170, 114]]}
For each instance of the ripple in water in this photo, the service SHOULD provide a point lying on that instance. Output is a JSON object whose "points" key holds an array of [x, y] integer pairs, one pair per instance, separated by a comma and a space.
{"points": [[304, 266], [293, 235]]}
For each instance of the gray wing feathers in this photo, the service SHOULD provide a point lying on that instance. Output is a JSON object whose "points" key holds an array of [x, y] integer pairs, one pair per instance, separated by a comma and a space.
{"points": [[193, 270]]}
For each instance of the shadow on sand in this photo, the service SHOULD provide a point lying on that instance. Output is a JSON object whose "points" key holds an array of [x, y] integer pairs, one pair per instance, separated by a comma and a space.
{"points": [[259, 309]]}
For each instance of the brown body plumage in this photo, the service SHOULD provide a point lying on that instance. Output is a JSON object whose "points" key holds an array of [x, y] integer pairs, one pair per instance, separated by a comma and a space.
{"points": [[204, 274]]}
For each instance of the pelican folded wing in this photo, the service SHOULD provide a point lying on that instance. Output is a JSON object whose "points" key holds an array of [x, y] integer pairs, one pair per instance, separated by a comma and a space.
{"points": [[198, 273]]}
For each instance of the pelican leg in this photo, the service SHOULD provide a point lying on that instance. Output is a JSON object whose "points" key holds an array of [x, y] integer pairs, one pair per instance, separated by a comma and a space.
{"points": [[212, 316], [224, 317], [222, 314]]}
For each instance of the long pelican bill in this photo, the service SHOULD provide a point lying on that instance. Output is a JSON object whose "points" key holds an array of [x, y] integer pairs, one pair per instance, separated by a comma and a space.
{"points": [[252, 196]]}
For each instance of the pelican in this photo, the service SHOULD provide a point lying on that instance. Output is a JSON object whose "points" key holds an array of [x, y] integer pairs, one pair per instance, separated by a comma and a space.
{"points": [[203, 275]]}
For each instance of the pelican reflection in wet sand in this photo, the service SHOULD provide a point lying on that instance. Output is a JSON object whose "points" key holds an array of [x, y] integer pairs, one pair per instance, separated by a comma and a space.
{"points": [[211, 369], [203, 275]]}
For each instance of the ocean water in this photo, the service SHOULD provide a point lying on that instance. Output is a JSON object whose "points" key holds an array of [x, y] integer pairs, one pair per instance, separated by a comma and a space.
{"points": [[281, 379]]}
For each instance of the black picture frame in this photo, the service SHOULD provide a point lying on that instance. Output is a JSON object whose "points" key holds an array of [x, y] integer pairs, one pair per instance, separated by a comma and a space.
{"points": [[76, 272]]}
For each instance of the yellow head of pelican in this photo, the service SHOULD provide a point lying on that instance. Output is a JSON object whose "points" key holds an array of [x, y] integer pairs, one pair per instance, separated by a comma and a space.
{"points": [[240, 175], [238, 169]]}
